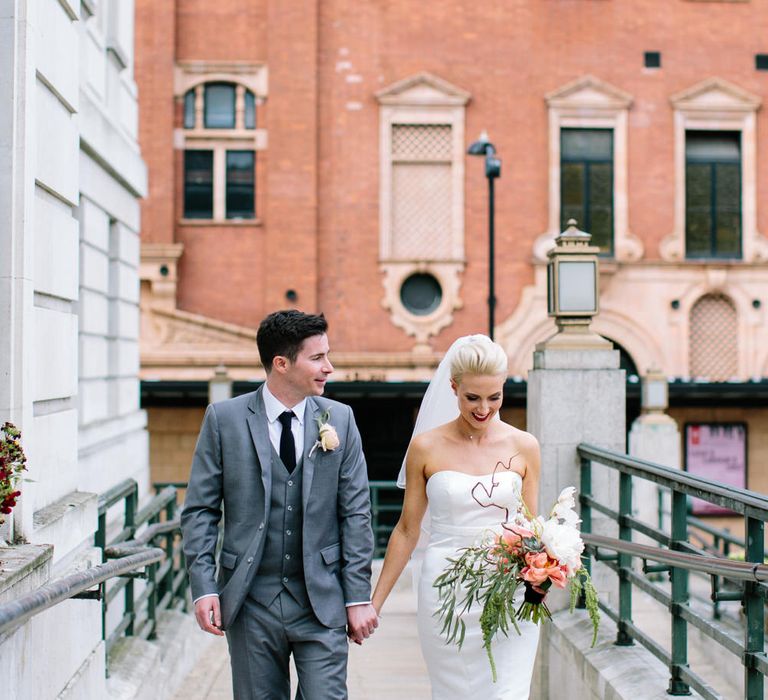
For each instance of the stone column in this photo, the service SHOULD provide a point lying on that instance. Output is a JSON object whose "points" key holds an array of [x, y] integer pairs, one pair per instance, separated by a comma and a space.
{"points": [[577, 394], [654, 437]]}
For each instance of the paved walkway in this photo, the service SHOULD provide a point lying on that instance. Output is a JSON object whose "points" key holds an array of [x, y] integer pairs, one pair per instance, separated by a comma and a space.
{"points": [[389, 666]]}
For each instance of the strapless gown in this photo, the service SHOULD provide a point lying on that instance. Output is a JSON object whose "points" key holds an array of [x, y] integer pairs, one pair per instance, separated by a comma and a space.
{"points": [[458, 520]]}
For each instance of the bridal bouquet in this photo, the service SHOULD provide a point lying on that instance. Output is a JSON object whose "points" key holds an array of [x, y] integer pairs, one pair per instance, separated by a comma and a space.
{"points": [[536, 553]]}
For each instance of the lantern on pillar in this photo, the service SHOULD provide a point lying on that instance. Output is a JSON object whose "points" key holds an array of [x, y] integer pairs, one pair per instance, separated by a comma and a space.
{"points": [[572, 290]]}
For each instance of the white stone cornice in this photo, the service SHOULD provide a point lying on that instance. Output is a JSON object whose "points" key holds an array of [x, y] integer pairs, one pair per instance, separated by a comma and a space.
{"points": [[423, 89]]}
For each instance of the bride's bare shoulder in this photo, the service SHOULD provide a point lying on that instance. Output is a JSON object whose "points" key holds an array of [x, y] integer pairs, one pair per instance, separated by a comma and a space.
{"points": [[428, 439], [523, 441]]}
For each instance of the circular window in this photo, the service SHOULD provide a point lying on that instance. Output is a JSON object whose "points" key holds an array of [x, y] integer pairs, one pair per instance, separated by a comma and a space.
{"points": [[421, 294]]}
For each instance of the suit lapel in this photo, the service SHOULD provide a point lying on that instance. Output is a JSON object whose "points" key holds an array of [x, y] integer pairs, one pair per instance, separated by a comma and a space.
{"points": [[257, 424], [311, 434]]}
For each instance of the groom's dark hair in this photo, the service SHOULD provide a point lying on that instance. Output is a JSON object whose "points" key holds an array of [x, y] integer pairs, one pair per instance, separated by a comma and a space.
{"points": [[284, 332]]}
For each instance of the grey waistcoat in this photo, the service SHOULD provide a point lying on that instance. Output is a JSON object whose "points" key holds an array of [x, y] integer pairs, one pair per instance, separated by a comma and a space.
{"points": [[282, 565]]}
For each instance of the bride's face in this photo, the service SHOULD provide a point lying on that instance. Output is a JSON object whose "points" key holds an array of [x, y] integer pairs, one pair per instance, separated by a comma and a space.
{"points": [[480, 397]]}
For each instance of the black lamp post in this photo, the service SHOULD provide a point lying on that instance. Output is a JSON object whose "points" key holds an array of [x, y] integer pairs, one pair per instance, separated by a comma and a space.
{"points": [[483, 147]]}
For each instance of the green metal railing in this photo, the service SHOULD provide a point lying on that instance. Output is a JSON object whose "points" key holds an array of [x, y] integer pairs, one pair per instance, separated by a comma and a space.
{"points": [[751, 590], [165, 582], [132, 557], [386, 504]]}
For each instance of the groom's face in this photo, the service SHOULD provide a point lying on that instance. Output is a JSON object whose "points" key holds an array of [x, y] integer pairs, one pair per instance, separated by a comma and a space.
{"points": [[309, 372]]}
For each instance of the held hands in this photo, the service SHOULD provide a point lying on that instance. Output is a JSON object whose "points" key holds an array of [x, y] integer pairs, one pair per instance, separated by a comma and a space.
{"points": [[362, 620], [208, 615]]}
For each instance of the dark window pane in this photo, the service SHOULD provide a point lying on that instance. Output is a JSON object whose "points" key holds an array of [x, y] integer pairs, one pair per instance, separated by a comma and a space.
{"points": [[587, 144], [571, 193], [713, 194], [240, 184], [586, 185], [728, 209], [189, 109], [698, 206], [219, 106], [250, 110], [198, 184], [709, 146]]}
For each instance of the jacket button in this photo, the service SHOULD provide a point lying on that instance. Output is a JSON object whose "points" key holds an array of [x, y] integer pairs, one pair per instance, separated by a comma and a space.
{"points": [[261, 526], [250, 560]]}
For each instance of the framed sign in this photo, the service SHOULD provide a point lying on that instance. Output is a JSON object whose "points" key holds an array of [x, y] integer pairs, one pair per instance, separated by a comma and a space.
{"points": [[718, 452]]}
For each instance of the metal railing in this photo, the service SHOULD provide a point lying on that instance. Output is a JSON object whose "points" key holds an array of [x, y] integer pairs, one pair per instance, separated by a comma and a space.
{"points": [[164, 583], [164, 576], [386, 504], [748, 579]]}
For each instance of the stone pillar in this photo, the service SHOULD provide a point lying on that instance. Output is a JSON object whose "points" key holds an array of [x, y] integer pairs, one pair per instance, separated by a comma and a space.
{"points": [[577, 395], [220, 385], [654, 437]]}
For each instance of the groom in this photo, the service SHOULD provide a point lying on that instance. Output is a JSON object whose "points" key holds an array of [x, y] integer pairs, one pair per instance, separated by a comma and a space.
{"points": [[295, 565]]}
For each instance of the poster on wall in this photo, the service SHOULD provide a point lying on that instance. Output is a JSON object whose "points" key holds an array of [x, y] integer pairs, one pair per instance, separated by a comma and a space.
{"points": [[718, 452]]}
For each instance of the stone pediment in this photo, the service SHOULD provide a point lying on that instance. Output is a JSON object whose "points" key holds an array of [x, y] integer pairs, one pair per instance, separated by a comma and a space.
{"points": [[177, 344], [716, 95], [423, 89], [589, 92]]}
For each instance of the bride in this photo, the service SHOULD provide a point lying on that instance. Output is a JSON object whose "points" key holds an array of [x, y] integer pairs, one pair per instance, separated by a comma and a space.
{"points": [[470, 468]]}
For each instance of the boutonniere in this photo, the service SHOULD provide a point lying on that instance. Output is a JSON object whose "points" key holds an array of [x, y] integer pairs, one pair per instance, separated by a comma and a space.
{"points": [[328, 438]]}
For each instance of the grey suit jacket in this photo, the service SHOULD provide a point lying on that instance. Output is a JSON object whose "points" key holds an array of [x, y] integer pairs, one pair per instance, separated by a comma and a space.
{"points": [[232, 468]]}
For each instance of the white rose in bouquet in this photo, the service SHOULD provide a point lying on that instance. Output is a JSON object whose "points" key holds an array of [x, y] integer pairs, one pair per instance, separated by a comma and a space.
{"points": [[563, 542]]}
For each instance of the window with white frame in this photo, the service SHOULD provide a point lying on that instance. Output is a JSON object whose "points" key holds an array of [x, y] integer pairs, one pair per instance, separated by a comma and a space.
{"points": [[421, 201], [221, 138], [715, 174], [588, 167]]}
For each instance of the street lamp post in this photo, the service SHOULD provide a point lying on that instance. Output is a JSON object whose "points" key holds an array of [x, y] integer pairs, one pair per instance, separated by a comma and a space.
{"points": [[483, 147]]}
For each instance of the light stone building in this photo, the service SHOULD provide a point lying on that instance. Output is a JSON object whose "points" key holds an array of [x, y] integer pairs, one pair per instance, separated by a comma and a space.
{"points": [[71, 176]]}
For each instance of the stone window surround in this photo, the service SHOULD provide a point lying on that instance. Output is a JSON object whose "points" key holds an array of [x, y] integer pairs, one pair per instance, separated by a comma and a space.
{"points": [[193, 75], [717, 105], [421, 99], [590, 103]]}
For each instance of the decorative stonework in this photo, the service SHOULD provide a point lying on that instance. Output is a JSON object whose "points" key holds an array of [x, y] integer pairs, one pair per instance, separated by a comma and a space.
{"points": [[422, 327], [158, 271], [717, 105], [421, 127], [637, 311], [590, 103]]}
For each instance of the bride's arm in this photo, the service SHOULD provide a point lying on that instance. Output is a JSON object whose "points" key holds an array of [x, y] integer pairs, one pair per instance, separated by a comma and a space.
{"points": [[405, 536], [531, 452]]}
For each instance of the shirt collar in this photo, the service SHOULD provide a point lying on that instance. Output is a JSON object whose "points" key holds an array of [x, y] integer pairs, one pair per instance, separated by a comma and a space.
{"points": [[274, 406]]}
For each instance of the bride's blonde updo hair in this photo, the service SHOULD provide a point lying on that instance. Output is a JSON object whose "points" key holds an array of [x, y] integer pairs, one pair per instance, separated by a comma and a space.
{"points": [[480, 355]]}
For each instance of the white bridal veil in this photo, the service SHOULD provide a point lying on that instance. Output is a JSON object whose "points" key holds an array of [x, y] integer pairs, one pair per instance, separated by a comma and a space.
{"points": [[439, 404]]}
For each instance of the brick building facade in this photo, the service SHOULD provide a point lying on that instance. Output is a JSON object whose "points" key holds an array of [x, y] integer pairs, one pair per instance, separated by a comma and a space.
{"points": [[314, 155]]}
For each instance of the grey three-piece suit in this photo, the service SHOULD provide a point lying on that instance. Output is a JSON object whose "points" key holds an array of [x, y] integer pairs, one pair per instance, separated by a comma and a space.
{"points": [[297, 546]]}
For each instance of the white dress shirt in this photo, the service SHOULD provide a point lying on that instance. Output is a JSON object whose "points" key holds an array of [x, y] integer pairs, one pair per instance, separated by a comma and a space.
{"points": [[274, 408]]}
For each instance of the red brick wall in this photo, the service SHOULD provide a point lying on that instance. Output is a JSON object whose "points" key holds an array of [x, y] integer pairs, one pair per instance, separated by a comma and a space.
{"points": [[318, 180]]}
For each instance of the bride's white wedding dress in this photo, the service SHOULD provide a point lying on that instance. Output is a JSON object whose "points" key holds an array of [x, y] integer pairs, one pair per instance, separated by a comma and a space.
{"points": [[459, 519]]}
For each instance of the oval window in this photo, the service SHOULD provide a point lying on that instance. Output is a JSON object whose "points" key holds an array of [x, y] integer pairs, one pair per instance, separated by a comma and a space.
{"points": [[421, 294]]}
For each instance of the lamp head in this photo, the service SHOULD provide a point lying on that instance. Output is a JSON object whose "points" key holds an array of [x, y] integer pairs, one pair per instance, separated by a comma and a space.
{"points": [[482, 146]]}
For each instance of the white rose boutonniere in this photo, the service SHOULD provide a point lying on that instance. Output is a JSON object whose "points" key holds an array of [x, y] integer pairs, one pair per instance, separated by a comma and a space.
{"points": [[328, 438]]}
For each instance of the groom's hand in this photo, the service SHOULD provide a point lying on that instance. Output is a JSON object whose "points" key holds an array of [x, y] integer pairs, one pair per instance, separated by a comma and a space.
{"points": [[362, 620], [208, 614]]}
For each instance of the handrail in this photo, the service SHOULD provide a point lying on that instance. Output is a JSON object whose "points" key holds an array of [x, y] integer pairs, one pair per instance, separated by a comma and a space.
{"points": [[714, 566], [678, 557], [15, 612], [739, 500]]}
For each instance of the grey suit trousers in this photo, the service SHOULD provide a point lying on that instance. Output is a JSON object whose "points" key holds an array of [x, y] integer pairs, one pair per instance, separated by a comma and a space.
{"points": [[261, 640]]}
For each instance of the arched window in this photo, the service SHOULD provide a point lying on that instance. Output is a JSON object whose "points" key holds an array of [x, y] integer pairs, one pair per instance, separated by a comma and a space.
{"points": [[713, 339], [219, 105]]}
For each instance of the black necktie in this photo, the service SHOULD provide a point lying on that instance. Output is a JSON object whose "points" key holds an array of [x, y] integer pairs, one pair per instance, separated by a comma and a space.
{"points": [[287, 445]]}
